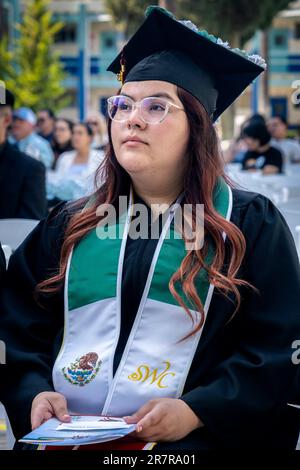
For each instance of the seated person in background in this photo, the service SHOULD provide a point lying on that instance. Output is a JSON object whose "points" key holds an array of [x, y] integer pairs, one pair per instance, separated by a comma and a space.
{"points": [[23, 135], [237, 148], [98, 125], [22, 178], [74, 173], [260, 155], [45, 124], [62, 138], [290, 148]]}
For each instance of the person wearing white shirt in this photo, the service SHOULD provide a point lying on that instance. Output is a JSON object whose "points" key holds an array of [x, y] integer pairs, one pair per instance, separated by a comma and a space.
{"points": [[75, 171], [98, 124]]}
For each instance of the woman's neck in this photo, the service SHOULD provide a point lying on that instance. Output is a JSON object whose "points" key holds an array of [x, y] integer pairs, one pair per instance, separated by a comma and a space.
{"points": [[64, 145], [82, 155], [165, 194]]}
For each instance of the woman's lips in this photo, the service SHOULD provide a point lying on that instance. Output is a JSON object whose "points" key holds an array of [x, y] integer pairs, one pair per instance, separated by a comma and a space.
{"points": [[134, 143]]}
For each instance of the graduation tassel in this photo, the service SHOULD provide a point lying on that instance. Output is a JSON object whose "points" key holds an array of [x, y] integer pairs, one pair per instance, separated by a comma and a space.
{"points": [[121, 74]]}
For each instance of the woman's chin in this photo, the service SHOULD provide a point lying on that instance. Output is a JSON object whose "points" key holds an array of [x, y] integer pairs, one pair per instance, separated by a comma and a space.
{"points": [[134, 163]]}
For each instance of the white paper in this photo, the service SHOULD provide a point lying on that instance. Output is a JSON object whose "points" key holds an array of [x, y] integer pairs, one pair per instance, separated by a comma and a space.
{"points": [[82, 430], [92, 425]]}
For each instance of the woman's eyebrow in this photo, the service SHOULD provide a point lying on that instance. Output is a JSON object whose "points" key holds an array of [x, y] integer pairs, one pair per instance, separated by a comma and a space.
{"points": [[156, 95]]}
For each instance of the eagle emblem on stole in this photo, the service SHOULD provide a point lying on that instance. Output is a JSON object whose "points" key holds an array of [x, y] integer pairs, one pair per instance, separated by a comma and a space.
{"points": [[83, 370]]}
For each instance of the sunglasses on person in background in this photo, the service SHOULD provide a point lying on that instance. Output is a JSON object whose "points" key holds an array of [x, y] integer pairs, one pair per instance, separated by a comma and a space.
{"points": [[153, 110], [92, 123], [41, 120]]}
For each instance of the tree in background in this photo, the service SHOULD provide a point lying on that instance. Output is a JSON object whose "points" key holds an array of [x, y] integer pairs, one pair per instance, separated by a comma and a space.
{"points": [[235, 21], [32, 70], [127, 14], [6, 62]]}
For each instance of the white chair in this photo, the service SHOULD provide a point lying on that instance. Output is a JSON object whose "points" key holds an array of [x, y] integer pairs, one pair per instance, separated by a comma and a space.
{"points": [[292, 204], [279, 188], [292, 218], [14, 231]]}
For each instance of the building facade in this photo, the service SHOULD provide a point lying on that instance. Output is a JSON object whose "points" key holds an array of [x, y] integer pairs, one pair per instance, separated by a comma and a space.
{"points": [[284, 64], [87, 44], [89, 41]]}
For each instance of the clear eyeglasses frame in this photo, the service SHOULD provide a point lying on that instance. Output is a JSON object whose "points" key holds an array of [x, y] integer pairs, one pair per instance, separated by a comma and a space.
{"points": [[152, 109]]}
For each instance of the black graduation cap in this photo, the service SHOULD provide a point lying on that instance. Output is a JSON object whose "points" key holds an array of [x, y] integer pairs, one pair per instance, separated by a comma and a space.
{"points": [[164, 48]]}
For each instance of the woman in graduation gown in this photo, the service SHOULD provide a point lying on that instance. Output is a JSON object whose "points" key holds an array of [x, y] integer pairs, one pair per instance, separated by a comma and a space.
{"points": [[193, 342]]}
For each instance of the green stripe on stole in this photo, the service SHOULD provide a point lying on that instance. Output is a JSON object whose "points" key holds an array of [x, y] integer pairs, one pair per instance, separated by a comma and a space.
{"points": [[94, 263]]}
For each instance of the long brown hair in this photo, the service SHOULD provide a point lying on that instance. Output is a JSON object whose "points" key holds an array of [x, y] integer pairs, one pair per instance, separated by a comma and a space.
{"points": [[204, 168]]}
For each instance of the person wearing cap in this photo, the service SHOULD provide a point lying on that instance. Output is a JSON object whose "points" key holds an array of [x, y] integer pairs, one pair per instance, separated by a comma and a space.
{"points": [[186, 333], [26, 139], [22, 178]]}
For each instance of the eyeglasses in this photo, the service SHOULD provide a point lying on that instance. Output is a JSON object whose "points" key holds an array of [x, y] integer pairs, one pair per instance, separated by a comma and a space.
{"points": [[153, 110]]}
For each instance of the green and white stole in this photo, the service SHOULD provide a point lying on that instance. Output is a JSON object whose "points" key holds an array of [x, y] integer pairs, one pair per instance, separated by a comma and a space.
{"points": [[154, 364]]}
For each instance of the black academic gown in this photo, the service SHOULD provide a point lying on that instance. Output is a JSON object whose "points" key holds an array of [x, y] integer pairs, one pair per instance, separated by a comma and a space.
{"points": [[242, 375], [22, 185]]}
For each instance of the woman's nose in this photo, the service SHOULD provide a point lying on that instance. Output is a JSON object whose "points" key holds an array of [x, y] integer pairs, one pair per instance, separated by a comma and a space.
{"points": [[135, 118]]}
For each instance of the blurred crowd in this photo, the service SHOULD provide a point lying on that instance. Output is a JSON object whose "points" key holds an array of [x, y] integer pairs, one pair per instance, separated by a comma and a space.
{"points": [[264, 145], [45, 159]]}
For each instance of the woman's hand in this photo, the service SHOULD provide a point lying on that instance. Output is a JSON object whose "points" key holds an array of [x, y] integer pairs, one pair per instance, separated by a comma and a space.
{"points": [[164, 419], [47, 405]]}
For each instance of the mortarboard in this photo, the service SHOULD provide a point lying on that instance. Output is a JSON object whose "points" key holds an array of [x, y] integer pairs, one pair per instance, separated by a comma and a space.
{"points": [[164, 48]]}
